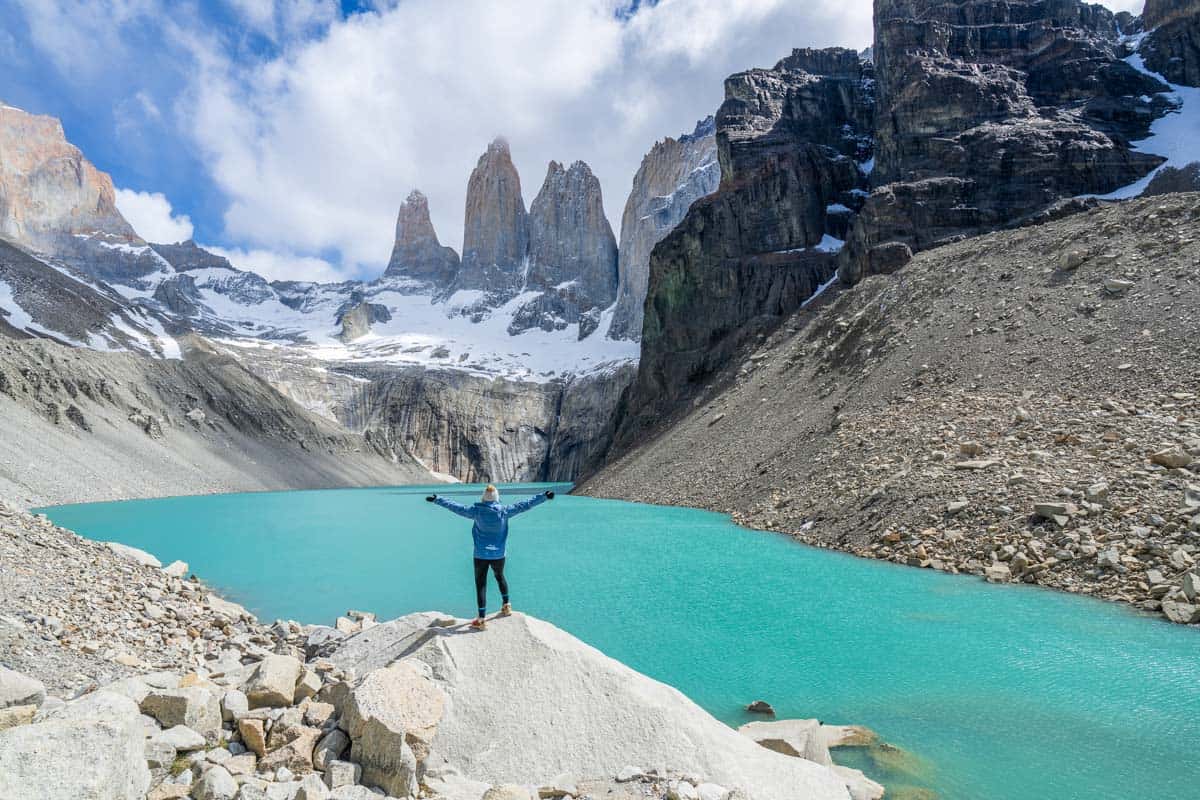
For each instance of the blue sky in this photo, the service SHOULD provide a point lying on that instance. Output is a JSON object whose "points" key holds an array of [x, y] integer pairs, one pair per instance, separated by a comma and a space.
{"points": [[288, 133]]}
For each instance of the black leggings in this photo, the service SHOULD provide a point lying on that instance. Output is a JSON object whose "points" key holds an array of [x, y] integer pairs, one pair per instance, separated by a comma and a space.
{"points": [[481, 570]]}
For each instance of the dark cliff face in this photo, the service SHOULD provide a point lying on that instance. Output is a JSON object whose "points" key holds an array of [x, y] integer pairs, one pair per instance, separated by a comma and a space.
{"points": [[975, 115], [791, 141], [417, 252], [989, 112], [1172, 47]]}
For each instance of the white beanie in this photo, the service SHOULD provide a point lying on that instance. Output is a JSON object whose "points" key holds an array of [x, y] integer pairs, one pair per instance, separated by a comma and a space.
{"points": [[491, 494]]}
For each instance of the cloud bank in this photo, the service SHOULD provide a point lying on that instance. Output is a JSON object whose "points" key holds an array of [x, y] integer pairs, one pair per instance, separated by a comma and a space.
{"points": [[309, 127], [151, 215]]}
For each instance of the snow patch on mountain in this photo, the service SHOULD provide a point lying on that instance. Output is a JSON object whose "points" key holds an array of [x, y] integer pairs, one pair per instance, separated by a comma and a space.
{"points": [[1175, 135]]}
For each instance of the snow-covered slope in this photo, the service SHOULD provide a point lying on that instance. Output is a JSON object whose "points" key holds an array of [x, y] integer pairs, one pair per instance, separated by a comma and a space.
{"points": [[1175, 135], [423, 327]]}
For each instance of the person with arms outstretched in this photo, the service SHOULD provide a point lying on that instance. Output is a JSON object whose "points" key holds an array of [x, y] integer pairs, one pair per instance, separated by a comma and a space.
{"points": [[490, 535]]}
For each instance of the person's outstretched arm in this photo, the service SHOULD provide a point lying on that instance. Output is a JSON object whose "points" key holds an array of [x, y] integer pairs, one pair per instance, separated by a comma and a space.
{"points": [[525, 505], [457, 508]]}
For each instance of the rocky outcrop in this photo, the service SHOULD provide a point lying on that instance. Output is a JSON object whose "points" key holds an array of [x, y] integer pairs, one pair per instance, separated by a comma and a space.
{"points": [[357, 315], [1172, 47], [188, 256], [92, 747], [672, 176], [451, 693], [48, 190], [417, 252], [572, 250], [989, 112], [1170, 180], [790, 141], [496, 228]]}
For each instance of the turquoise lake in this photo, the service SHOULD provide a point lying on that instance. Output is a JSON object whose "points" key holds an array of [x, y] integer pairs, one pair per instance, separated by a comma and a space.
{"points": [[992, 692]]}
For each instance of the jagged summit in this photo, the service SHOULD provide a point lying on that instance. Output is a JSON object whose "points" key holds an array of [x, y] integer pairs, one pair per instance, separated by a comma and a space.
{"points": [[48, 191], [496, 227], [417, 253]]}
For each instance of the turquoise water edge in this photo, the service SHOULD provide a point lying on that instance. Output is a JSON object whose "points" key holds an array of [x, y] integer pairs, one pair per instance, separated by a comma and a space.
{"points": [[991, 692]]}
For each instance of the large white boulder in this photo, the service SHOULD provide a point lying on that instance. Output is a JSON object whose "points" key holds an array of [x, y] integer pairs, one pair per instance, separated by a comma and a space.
{"points": [[195, 707], [133, 554], [90, 749], [800, 738], [391, 717], [273, 682], [526, 702]]}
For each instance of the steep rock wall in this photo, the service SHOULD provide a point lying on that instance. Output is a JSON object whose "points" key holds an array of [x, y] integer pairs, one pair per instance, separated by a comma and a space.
{"points": [[672, 176]]}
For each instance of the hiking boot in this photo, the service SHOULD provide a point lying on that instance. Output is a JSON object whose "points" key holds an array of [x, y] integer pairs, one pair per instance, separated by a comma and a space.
{"points": [[506, 610], [479, 623]]}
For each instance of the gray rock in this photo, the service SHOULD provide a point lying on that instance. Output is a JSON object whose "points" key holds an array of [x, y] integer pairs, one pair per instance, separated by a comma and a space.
{"points": [[133, 554], [215, 784], [160, 755], [273, 683], [234, 704], [311, 788], [17, 689], [330, 748], [181, 738], [341, 773], [195, 707], [90, 748], [800, 738], [353, 793], [12, 716], [1182, 613], [507, 791]]}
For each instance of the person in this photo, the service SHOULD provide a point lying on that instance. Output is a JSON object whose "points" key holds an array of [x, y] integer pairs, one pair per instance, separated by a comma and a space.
{"points": [[490, 535]]}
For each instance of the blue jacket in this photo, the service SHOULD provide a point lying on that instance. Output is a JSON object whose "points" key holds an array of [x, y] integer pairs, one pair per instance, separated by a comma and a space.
{"points": [[490, 530]]}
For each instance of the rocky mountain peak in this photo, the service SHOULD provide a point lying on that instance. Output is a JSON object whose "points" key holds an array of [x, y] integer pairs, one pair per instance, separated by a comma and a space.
{"points": [[417, 253], [572, 250], [496, 228], [672, 176], [48, 190]]}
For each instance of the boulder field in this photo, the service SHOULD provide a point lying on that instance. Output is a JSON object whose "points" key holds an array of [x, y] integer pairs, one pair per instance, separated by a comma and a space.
{"points": [[188, 696]]}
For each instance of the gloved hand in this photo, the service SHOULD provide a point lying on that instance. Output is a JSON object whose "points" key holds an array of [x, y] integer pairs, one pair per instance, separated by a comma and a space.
{"points": [[550, 494], [431, 498]]}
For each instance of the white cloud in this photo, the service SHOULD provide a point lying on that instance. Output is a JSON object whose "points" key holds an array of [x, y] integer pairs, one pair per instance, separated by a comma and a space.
{"points": [[151, 215], [276, 265], [317, 149]]}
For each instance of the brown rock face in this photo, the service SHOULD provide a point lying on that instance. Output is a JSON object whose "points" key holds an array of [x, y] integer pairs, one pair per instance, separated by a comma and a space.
{"points": [[572, 250], [995, 111], [1172, 48], [672, 176], [417, 252], [48, 190], [789, 141], [496, 231]]}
